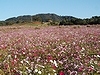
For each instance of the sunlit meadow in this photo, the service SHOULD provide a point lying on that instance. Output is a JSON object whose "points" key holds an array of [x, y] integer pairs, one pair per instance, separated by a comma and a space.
{"points": [[52, 50]]}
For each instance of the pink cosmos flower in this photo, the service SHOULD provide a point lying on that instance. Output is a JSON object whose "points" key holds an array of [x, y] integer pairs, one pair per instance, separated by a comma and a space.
{"points": [[80, 69], [54, 67], [61, 73], [90, 69], [98, 64], [49, 58]]}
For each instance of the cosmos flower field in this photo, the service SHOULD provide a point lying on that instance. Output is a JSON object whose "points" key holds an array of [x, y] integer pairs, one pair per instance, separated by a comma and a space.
{"points": [[52, 50]]}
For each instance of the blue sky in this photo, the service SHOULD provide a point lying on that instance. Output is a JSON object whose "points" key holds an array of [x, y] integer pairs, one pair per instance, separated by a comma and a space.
{"points": [[76, 8]]}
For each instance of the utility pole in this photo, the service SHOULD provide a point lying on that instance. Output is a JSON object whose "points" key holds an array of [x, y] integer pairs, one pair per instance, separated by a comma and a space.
{"points": [[31, 18]]}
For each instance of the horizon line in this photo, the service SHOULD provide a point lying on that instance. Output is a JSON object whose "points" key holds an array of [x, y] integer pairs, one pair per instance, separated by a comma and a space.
{"points": [[47, 13]]}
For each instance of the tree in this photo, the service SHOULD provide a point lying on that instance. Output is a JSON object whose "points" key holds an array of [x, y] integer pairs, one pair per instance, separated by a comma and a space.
{"points": [[2, 23], [63, 22], [36, 18]]}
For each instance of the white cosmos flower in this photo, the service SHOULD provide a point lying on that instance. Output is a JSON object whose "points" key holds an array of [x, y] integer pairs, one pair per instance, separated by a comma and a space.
{"points": [[95, 62], [55, 74], [54, 70], [23, 52], [64, 43], [41, 66], [83, 48], [98, 56], [36, 70], [48, 73], [30, 74], [51, 61], [22, 61], [9, 56], [39, 72], [55, 63], [15, 56], [74, 43], [27, 61]]}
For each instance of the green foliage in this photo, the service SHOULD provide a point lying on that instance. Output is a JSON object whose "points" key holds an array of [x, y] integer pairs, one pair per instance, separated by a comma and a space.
{"points": [[53, 23], [78, 21], [1, 72], [2, 23]]}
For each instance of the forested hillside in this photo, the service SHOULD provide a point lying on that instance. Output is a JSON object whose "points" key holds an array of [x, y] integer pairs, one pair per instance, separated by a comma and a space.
{"points": [[52, 18]]}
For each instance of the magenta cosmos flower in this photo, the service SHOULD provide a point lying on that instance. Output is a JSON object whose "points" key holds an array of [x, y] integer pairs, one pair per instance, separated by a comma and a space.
{"points": [[61, 73]]}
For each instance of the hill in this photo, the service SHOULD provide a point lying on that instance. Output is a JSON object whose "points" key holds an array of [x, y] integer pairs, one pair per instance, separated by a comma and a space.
{"points": [[62, 20], [39, 17]]}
